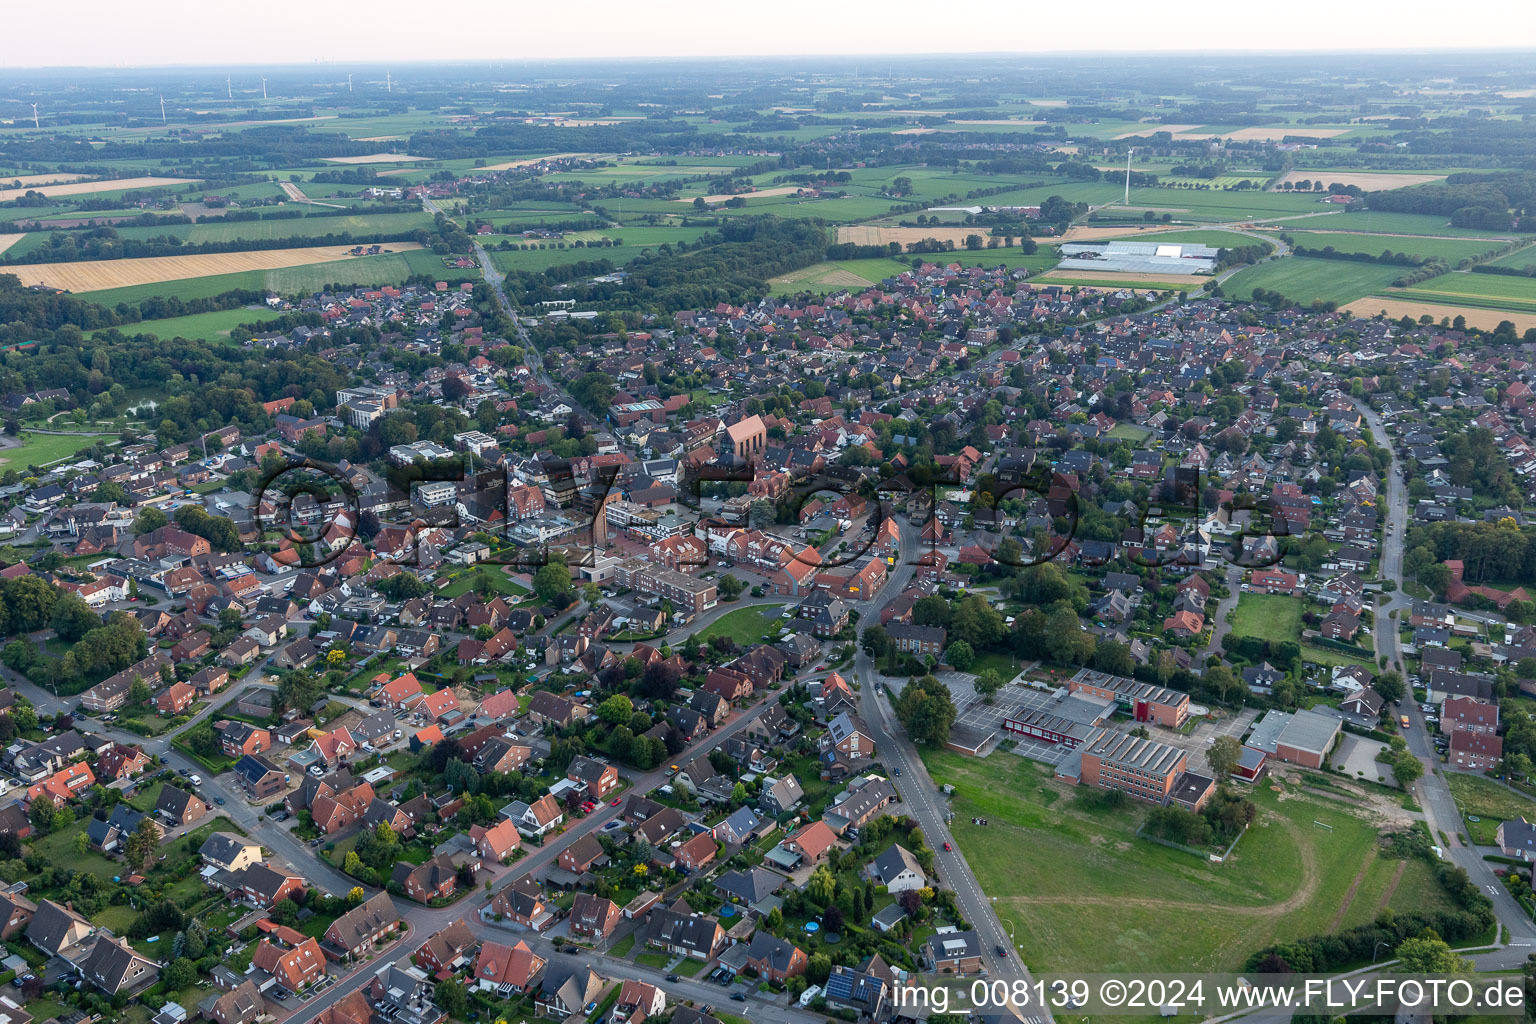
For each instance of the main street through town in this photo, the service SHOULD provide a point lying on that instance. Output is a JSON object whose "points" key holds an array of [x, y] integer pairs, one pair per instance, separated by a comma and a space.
{"points": [[1440, 811]]}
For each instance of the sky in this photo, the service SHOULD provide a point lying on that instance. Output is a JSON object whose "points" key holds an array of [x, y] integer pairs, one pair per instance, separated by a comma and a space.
{"points": [[269, 32]]}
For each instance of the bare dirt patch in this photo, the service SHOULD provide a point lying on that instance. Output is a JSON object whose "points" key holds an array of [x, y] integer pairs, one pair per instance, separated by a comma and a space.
{"points": [[1371, 181], [81, 188], [375, 158], [1483, 319], [95, 275], [6, 241]]}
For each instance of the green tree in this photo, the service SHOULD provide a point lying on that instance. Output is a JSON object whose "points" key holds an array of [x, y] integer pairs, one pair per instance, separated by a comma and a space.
{"points": [[616, 709], [72, 618], [927, 711], [1222, 755], [960, 655], [179, 974], [1429, 954]]}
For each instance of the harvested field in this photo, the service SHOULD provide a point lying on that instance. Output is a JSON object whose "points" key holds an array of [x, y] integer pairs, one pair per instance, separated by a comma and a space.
{"points": [[864, 234], [6, 241], [1124, 231], [98, 274], [29, 180], [1149, 129], [374, 158], [1003, 120], [1484, 319], [81, 188], [914, 131], [384, 138], [1263, 132], [507, 165], [1371, 181], [759, 194]]}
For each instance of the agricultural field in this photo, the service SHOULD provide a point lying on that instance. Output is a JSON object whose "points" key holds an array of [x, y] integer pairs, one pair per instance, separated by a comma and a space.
{"points": [[355, 272], [1451, 250], [95, 275], [1386, 223], [80, 188], [1309, 280], [1370, 181], [1520, 259], [1492, 290], [1483, 318], [1080, 892]]}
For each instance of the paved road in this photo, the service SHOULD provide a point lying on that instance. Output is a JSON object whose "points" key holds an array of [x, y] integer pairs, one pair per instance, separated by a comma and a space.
{"points": [[1434, 795]]}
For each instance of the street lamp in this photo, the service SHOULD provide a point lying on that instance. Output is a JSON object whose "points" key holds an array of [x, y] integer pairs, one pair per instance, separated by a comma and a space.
{"points": [[1378, 949]]}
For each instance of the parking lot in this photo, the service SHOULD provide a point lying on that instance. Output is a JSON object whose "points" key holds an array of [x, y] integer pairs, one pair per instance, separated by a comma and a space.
{"points": [[1204, 734]]}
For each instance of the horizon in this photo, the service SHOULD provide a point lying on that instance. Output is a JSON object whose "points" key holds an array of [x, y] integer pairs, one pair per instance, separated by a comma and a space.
{"points": [[386, 32]]}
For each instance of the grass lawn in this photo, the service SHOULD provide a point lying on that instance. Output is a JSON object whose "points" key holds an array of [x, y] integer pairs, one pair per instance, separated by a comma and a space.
{"points": [[1082, 893], [1273, 617], [44, 449], [746, 625], [1486, 800], [199, 326], [656, 960], [623, 946], [59, 848], [1006, 665], [1328, 658], [46, 1009], [500, 582]]}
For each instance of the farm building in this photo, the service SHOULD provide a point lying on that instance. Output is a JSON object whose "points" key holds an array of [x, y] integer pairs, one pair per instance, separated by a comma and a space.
{"points": [[1139, 257]]}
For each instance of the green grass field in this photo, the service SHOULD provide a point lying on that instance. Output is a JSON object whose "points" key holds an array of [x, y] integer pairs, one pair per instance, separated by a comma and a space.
{"points": [[1482, 289], [1081, 893], [746, 625], [1400, 223], [1519, 259], [1267, 616], [1307, 280], [206, 326], [43, 450], [1486, 800], [1448, 249]]}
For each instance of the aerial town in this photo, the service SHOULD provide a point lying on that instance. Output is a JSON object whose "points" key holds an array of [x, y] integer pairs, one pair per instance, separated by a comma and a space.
{"points": [[685, 628]]}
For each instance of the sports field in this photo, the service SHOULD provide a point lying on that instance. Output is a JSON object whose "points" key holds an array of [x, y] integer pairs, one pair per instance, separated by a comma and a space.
{"points": [[1081, 893], [95, 275], [1304, 280], [43, 449]]}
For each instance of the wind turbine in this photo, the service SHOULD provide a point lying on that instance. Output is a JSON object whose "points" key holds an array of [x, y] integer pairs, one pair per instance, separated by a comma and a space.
{"points": [[229, 86], [1128, 152], [162, 110], [349, 83], [263, 86], [35, 123], [389, 85]]}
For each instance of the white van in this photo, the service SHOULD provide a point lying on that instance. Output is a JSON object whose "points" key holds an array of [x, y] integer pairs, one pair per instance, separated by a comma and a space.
{"points": [[195, 779]]}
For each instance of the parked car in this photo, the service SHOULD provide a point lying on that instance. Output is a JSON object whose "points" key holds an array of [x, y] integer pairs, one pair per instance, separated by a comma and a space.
{"points": [[673, 977], [738, 997], [947, 846]]}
